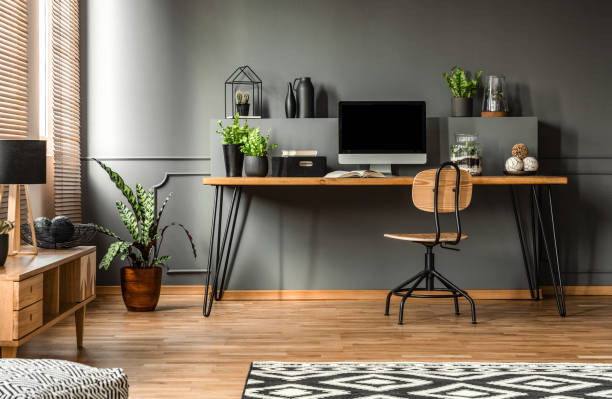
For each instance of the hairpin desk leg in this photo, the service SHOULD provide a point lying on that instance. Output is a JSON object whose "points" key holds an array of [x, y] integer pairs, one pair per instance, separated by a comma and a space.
{"points": [[218, 257], [555, 277], [533, 286]]}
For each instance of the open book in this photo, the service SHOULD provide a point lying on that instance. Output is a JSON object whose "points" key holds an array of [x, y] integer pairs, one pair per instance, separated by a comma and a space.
{"points": [[354, 173]]}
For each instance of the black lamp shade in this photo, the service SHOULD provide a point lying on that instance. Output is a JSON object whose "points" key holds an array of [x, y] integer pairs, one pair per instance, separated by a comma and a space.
{"points": [[23, 162]]}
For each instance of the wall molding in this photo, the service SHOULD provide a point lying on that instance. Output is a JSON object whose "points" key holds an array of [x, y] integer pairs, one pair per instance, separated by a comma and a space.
{"points": [[296, 295], [149, 158]]}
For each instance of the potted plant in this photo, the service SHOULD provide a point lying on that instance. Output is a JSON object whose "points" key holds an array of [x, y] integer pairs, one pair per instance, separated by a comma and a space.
{"points": [[5, 227], [233, 138], [242, 103], [141, 280], [462, 90], [256, 149]]}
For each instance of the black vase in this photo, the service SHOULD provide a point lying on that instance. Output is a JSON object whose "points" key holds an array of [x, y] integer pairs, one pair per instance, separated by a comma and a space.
{"points": [[290, 105], [305, 97], [233, 160], [461, 107], [255, 166], [3, 248], [243, 109]]}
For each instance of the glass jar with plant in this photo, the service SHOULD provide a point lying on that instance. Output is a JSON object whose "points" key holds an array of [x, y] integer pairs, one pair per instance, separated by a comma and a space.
{"points": [[462, 90], [467, 153], [242, 102], [141, 280], [5, 227], [234, 136], [256, 149]]}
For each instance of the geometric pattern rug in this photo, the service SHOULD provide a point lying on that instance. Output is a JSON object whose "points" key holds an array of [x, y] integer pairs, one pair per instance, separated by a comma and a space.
{"points": [[279, 380]]}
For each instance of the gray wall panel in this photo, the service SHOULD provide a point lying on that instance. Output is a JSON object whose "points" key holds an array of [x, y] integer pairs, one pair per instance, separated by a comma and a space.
{"points": [[152, 79]]}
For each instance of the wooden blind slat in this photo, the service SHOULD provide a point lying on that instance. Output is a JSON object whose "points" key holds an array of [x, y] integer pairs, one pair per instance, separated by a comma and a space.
{"points": [[65, 107], [13, 70]]}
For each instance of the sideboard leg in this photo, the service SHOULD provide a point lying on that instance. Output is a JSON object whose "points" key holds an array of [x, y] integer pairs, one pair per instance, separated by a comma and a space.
{"points": [[79, 321], [9, 352]]}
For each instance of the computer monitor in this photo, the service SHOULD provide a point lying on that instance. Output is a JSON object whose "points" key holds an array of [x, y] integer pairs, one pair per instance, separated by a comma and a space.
{"points": [[381, 133]]}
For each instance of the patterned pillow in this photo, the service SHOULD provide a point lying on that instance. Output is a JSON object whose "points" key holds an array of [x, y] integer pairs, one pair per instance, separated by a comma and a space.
{"points": [[59, 379]]}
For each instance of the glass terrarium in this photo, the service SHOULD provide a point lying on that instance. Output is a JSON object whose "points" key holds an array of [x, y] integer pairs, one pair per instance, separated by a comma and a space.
{"points": [[495, 100], [466, 152]]}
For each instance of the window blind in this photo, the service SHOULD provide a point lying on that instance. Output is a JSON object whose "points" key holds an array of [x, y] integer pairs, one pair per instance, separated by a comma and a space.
{"points": [[65, 107], [13, 75]]}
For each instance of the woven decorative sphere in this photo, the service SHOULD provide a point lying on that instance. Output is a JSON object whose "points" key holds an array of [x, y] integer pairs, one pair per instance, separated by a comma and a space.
{"points": [[530, 164], [514, 164], [520, 151]]}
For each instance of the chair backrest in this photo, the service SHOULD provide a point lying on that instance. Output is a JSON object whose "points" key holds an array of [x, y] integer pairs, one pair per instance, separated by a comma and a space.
{"points": [[423, 190]]}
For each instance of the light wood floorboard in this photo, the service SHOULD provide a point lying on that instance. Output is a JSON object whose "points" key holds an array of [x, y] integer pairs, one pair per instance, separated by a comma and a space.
{"points": [[175, 352]]}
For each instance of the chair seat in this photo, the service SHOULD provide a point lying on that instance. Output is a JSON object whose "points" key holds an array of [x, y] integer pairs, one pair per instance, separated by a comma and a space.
{"points": [[426, 237]]}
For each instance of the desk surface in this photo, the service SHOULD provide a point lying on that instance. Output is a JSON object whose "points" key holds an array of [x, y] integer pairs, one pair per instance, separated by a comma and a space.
{"points": [[387, 181], [20, 267]]}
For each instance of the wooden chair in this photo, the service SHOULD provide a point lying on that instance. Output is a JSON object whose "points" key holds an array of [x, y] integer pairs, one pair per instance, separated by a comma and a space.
{"points": [[441, 190]]}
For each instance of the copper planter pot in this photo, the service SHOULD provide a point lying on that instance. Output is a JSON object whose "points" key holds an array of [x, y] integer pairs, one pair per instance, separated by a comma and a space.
{"points": [[141, 288]]}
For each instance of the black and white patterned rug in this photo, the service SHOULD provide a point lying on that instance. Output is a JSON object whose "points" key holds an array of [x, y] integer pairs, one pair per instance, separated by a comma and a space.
{"points": [[274, 380]]}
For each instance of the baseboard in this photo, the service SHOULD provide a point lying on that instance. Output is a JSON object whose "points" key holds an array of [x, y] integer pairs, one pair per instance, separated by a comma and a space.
{"points": [[297, 295], [580, 290]]}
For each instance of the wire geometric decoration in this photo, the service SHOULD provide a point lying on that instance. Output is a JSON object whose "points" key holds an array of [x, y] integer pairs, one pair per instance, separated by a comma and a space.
{"points": [[245, 80]]}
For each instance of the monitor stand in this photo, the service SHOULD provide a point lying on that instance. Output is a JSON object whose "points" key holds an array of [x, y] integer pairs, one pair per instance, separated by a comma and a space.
{"points": [[384, 168]]}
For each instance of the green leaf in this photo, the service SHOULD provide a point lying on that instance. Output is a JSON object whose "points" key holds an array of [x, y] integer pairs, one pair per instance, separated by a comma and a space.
{"points": [[129, 220], [120, 184], [106, 231], [141, 195], [148, 211], [160, 261], [113, 250]]}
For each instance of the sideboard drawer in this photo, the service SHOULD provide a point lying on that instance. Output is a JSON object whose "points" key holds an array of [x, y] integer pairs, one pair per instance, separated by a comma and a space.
{"points": [[28, 291], [27, 320]]}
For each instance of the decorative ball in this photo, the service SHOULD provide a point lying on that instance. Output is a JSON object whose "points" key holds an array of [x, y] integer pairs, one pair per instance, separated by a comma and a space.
{"points": [[514, 164], [61, 229], [520, 151], [530, 164], [42, 223]]}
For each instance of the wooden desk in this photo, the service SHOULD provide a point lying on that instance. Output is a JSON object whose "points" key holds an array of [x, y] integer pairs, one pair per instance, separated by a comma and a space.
{"points": [[543, 235], [36, 292]]}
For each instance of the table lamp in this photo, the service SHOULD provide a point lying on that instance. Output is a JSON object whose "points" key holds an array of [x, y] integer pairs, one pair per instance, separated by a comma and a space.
{"points": [[22, 162]]}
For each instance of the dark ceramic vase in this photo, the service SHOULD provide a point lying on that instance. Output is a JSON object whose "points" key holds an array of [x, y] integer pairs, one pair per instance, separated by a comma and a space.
{"points": [[461, 107], [305, 97], [243, 109], [3, 248], [256, 166], [233, 158], [140, 288], [290, 105]]}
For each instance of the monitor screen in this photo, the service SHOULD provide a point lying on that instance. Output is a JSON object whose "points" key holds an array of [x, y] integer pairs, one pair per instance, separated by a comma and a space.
{"points": [[381, 127]]}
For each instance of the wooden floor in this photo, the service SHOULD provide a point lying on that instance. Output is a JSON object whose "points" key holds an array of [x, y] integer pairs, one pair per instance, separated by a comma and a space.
{"points": [[175, 352]]}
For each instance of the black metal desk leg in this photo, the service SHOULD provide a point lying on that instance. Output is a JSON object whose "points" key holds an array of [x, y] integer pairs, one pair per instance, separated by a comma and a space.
{"points": [[533, 288], [218, 258], [208, 300], [557, 284], [554, 236]]}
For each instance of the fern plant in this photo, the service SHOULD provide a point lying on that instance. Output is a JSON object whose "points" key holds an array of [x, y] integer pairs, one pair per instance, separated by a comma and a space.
{"points": [[234, 133], [6, 226], [459, 85], [142, 222], [257, 145]]}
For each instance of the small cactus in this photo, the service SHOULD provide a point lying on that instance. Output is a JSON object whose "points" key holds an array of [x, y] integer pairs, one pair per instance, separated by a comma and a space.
{"points": [[238, 97], [245, 98]]}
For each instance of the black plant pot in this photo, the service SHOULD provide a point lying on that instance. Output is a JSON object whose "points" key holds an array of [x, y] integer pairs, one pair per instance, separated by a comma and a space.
{"points": [[256, 166], [3, 248], [243, 109], [233, 160], [461, 107]]}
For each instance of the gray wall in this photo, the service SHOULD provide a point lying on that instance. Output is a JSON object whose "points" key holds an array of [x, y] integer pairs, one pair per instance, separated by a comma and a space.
{"points": [[152, 79]]}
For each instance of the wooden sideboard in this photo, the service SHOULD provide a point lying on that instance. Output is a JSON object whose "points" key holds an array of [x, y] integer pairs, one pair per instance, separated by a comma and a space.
{"points": [[38, 291]]}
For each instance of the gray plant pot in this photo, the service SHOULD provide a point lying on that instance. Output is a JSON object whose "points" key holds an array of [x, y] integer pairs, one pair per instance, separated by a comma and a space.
{"points": [[461, 107], [256, 166], [233, 158]]}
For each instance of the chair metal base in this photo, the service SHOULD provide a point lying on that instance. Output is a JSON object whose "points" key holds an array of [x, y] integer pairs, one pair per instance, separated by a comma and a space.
{"points": [[429, 275]]}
